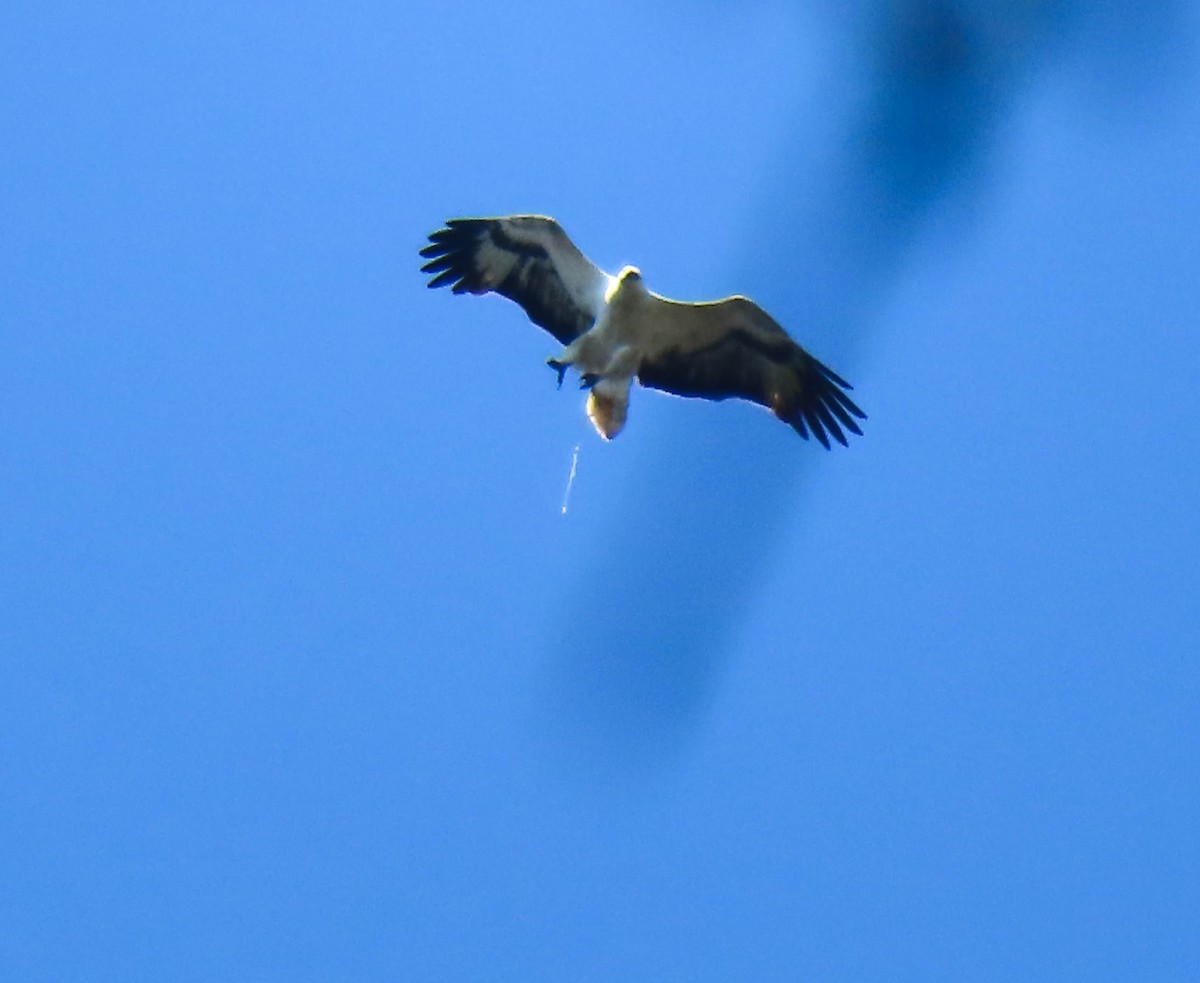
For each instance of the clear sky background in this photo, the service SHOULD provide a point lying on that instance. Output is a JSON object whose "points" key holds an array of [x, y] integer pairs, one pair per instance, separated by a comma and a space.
{"points": [[303, 675]]}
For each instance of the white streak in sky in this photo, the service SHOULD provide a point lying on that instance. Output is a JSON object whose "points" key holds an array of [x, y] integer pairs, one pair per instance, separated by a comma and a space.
{"points": [[570, 479]]}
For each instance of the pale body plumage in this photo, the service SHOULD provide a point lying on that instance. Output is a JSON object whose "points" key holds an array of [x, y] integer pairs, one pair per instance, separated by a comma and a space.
{"points": [[614, 330]]}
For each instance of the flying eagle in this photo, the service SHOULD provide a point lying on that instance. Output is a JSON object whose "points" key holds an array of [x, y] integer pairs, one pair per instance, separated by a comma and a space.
{"points": [[615, 330]]}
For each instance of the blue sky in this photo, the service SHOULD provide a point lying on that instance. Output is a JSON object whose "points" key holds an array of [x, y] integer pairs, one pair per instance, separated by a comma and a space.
{"points": [[303, 675]]}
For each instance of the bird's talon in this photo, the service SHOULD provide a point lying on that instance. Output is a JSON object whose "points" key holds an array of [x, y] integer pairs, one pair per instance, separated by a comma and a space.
{"points": [[559, 367]]}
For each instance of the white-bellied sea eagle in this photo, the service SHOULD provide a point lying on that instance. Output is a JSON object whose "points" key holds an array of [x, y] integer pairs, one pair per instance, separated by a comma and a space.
{"points": [[615, 330]]}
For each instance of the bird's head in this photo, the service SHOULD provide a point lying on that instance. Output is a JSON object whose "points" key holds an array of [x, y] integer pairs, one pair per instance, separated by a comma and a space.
{"points": [[629, 280]]}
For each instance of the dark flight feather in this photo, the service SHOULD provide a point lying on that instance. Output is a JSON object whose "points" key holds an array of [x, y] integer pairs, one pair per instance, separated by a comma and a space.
{"points": [[476, 255]]}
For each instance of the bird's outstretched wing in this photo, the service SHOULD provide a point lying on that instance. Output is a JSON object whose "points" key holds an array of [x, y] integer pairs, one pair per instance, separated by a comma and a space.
{"points": [[734, 349], [526, 258]]}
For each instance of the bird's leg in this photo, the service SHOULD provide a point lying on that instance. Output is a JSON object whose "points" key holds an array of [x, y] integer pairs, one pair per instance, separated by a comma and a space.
{"points": [[588, 379], [559, 367], [568, 358]]}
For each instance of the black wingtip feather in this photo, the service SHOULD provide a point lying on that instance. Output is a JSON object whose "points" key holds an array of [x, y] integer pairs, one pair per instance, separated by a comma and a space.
{"points": [[446, 276], [437, 264], [833, 376], [449, 254], [814, 424], [830, 424], [826, 410], [847, 403], [840, 412]]}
